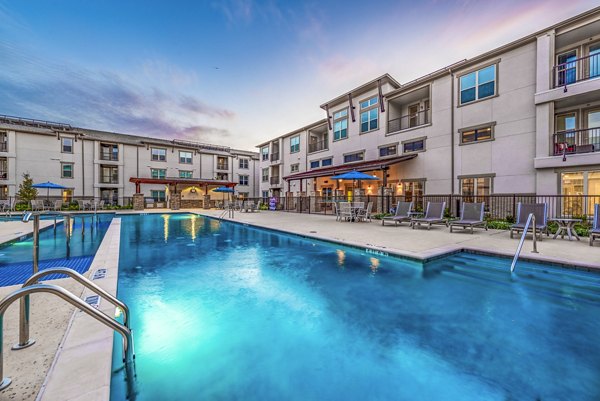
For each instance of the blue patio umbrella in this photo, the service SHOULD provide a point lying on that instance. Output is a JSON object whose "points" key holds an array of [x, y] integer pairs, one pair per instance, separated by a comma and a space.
{"points": [[49, 185], [224, 190], [354, 175]]}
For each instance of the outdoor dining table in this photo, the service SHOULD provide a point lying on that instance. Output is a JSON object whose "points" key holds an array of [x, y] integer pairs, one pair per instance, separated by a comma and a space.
{"points": [[566, 226]]}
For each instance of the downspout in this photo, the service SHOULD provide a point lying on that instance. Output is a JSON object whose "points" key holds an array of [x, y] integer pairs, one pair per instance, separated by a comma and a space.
{"points": [[82, 168], [452, 130]]}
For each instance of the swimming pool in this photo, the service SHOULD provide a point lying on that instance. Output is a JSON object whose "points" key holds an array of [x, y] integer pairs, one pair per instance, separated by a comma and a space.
{"points": [[223, 312]]}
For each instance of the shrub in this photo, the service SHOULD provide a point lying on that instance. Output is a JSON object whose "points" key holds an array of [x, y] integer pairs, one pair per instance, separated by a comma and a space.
{"points": [[379, 216]]}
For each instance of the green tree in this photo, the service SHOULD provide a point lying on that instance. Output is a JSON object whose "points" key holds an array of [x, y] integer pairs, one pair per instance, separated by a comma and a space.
{"points": [[26, 190]]}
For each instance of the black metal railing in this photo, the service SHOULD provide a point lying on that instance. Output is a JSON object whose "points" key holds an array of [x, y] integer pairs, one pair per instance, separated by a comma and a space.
{"points": [[576, 70], [3, 147], [577, 141], [275, 180], [222, 166], [317, 146], [497, 206], [3, 174], [410, 121], [109, 156], [274, 156], [109, 179]]}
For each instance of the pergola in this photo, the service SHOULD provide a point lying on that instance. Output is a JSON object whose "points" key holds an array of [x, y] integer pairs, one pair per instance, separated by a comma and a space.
{"points": [[173, 182]]}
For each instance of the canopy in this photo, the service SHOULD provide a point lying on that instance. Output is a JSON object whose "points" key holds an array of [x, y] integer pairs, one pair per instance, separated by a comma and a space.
{"points": [[49, 185], [354, 175]]}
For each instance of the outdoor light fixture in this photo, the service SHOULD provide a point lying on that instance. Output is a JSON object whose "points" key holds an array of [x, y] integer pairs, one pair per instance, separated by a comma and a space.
{"points": [[193, 190]]}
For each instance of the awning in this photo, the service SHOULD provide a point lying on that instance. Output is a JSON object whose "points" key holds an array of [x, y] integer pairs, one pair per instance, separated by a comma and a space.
{"points": [[358, 166]]}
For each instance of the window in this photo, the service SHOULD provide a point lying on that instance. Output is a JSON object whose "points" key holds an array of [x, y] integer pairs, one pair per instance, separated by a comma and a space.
{"points": [[340, 125], [158, 173], [265, 174], [222, 163], [3, 142], [3, 168], [327, 162], [265, 194], [294, 168], [185, 157], [158, 196], [413, 191], [67, 195], [389, 150], [67, 145], [244, 163], [315, 164], [244, 195], [295, 144], [243, 180], [222, 176], [369, 114], [185, 174], [478, 84], [109, 152], [354, 157], [566, 69], [577, 184], [475, 188], [66, 170], [477, 134], [109, 174], [4, 192], [159, 154], [265, 153], [413, 146]]}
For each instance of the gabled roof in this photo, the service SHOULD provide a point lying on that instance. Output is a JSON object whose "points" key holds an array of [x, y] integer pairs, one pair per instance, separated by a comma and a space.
{"points": [[385, 78]]}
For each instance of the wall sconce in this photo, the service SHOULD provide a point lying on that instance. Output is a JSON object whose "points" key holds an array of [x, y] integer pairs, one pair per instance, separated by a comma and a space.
{"points": [[193, 190]]}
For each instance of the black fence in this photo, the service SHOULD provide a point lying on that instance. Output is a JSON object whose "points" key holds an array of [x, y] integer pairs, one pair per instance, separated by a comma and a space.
{"points": [[497, 207], [65, 203]]}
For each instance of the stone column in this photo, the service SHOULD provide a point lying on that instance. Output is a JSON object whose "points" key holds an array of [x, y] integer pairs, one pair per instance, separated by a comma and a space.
{"points": [[206, 201], [138, 202], [175, 200]]}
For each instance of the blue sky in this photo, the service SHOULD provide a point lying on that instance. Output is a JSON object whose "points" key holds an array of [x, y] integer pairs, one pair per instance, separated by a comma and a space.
{"points": [[233, 72]]}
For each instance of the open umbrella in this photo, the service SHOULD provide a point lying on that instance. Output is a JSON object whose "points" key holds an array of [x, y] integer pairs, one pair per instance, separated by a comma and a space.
{"points": [[49, 185], [354, 175], [224, 190]]}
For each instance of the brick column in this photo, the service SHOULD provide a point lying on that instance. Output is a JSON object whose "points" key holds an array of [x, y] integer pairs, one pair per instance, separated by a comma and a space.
{"points": [[138, 202]]}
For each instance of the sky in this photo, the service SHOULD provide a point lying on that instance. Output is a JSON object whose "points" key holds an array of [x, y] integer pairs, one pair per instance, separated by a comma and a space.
{"points": [[234, 72]]}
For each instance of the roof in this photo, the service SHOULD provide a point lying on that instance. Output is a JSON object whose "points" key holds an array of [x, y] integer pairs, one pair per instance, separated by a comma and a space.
{"points": [[358, 166], [363, 88], [177, 180], [306, 127]]}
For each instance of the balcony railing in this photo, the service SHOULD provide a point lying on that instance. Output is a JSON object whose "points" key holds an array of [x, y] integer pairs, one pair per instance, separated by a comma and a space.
{"points": [[109, 156], [275, 180], [3, 147], [317, 146], [3, 174], [577, 141], [222, 166], [274, 157], [109, 179], [410, 121], [576, 70]]}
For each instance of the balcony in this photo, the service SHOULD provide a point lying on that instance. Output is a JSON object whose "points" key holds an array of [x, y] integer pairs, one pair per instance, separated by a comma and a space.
{"points": [[318, 146], [222, 166], [3, 147], [109, 156], [3, 175], [109, 179], [575, 70], [275, 180], [576, 141], [410, 121], [274, 156]]}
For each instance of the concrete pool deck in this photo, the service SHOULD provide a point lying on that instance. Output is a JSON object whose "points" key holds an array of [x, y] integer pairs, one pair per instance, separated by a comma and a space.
{"points": [[420, 243], [15, 230]]}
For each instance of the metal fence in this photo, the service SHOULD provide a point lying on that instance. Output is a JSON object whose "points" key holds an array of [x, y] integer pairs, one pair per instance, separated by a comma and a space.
{"points": [[497, 207], [12, 203]]}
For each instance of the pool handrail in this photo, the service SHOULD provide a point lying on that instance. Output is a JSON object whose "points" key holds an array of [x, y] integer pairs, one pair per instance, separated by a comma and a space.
{"points": [[530, 220], [24, 340], [103, 318]]}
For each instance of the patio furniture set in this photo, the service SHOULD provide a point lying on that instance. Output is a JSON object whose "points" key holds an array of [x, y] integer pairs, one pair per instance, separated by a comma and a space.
{"points": [[353, 211]]}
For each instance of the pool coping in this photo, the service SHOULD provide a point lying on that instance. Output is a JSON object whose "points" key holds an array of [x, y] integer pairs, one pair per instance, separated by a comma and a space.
{"points": [[429, 255], [82, 365], [29, 234]]}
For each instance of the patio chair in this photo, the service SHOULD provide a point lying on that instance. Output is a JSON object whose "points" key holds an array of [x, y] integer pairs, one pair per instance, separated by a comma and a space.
{"points": [[402, 214], [336, 211], [541, 218], [58, 205], [471, 216], [252, 206], [595, 231], [37, 205], [346, 211], [150, 203], [364, 214], [434, 214]]}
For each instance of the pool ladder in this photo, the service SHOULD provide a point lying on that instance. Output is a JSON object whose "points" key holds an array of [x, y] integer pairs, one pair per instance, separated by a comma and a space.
{"points": [[31, 286], [530, 220]]}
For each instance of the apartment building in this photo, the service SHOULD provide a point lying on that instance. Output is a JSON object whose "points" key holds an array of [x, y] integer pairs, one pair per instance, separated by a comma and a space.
{"points": [[520, 119], [113, 167]]}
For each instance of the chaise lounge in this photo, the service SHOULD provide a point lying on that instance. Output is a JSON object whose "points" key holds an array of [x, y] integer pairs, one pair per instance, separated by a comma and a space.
{"points": [[471, 216], [595, 231], [541, 220], [434, 214], [402, 214]]}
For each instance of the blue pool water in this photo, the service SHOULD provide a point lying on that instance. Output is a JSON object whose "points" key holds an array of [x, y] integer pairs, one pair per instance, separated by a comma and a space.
{"points": [[16, 258], [226, 312]]}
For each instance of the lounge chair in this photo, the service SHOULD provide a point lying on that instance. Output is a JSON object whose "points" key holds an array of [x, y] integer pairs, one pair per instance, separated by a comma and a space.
{"points": [[150, 202], [471, 216], [595, 231], [434, 214], [541, 219], [364, 214], [402, 214]]}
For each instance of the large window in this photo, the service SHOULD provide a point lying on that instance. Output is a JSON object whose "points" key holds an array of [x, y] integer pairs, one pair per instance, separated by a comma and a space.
{"points": [[244, 163], [265, 174], [158, 195], [243, 179], [475, 188], [369, 114], [222, 163], [413, 146], [388, 150], [109, 152], [159, 173], [295, 144], [67, 145], [477, 134], [185, 174], [413, 191], [159, 154], [566, 69], [109, 174], [66, 170], [478, 84], [354, 157], [185, 157], [576, 184], [265, 153], [340, 125]]}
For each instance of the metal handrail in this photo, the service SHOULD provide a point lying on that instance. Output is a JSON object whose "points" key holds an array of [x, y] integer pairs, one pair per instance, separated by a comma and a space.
{"points": [[24, 340], [530, 219], [126, 334]]}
